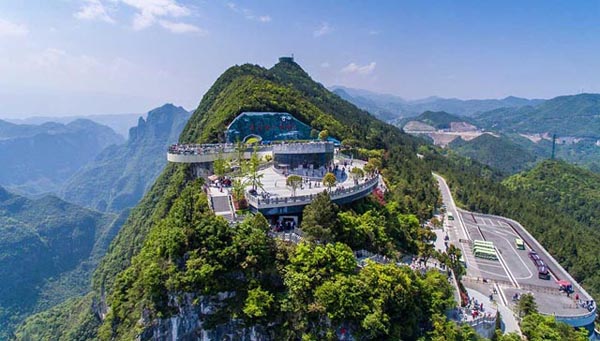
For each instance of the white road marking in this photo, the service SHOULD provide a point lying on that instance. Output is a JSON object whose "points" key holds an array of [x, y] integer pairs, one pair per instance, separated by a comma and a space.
{"points": [[519, 257]]}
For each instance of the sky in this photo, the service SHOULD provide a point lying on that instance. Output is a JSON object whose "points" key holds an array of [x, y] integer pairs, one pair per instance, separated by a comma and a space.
{"points": [[82, 57]]}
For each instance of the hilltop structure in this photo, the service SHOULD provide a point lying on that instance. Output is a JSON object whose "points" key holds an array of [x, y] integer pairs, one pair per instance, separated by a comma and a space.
{"points": [[290, 147]]}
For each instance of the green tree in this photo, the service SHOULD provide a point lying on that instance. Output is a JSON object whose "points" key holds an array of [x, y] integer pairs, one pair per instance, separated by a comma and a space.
{"points": [[238, 191], [357, 174], [258, 303], [329, 181], [221, 167], [294, 182], [526, 305], [537, 327], [240, 150], [320, 219], [369, 168], [376, 162], [253, 171], [323, 135]]}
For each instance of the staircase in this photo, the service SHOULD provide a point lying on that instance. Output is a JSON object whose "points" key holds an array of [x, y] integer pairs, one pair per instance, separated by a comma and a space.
{"points": [[221, 206]]}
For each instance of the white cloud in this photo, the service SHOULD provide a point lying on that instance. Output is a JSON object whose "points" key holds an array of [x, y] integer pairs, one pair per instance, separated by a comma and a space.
{"points": [[178, 27], [322, 30], [10, 29], [354, 68], [248, 13], [325, 65], [147, 13], [93, 10]]}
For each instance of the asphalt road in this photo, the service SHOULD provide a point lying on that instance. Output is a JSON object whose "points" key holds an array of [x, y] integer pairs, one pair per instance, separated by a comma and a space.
{"points": [[514, 272]]}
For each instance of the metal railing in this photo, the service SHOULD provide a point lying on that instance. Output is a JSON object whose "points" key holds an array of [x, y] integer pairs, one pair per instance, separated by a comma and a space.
{"points": [[339, 193], [211, 148]]}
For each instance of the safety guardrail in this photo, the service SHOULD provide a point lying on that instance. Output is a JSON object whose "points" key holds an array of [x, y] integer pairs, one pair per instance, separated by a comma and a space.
{"points": [[339, 193]]}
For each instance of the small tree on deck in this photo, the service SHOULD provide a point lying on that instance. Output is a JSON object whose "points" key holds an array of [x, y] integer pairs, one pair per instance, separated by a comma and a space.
{"points": [[357, 174], [293, 181], [329, 181]]}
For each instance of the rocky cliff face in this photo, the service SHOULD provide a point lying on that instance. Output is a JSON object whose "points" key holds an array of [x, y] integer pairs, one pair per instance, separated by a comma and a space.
{"points": [[190, 322], [120, 175]]}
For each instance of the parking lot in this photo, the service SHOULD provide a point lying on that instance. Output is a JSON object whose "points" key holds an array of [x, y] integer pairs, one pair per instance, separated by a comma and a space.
{"points": [[514, 265]]}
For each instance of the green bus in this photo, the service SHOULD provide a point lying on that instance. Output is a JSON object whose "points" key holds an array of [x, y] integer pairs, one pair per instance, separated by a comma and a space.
{"points": [[483, 248], [485, 253], [519, 243], [483, 243]]}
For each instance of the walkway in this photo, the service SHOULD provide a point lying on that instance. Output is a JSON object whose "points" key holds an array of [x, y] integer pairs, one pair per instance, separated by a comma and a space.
{"points": [[221, 203]]}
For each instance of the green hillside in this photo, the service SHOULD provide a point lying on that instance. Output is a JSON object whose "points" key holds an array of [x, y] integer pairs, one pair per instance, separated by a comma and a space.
{"points": [[437, 119], [128, 273], [564, 186], [497, 152], [39, 159], [120, 175], [48, 249], [576, 115]]}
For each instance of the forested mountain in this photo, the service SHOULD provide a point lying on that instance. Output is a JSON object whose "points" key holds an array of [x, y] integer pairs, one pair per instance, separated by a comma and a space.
{"points": [[437, 119], [120, 123], [385, 107], [175, 263], [576, 115], [38, 159], [564, 186], [497, 152], [48, 249], [389, 107], [139, 257], [120, 175]]}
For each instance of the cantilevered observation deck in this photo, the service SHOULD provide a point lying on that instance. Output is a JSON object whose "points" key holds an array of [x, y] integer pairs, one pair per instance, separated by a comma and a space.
{"points": [[293, 158]]}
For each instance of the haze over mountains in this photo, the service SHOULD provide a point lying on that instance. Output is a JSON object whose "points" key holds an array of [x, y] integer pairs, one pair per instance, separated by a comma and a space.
{"points": [[120, 175], [390, 107], [120, 123], [40, 158], [521, 129], [49, 247]]}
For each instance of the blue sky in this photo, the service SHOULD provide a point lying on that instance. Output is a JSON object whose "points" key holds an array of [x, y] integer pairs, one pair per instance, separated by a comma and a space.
{"points": [[66, 57]]}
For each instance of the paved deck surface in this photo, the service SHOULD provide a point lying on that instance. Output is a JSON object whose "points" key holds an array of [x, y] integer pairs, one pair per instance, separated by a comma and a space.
{"points": [[274, 182]]}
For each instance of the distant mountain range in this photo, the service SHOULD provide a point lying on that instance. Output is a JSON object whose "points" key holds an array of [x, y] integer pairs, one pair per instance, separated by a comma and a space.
{"points": [[48, 248], [119, 176], [390, 107], [120, 123], [576, 115], [437, 119], [39, 158]]}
